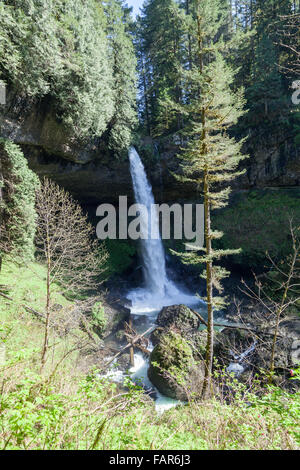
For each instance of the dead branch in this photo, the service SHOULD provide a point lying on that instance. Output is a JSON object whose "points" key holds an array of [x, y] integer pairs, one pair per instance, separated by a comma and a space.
{"points": [[237, 326], [41, 316], [131, 344]]}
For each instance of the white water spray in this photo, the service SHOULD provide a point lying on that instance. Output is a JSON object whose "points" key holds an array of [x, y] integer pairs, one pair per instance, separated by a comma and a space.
{"points": [[154, 266], [159, 291]]}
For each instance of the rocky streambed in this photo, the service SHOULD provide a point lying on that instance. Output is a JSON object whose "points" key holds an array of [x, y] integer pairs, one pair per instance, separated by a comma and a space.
{"points": [[175, 366], [177, 360]]}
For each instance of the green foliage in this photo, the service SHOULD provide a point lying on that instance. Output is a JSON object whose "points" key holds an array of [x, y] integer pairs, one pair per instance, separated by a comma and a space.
{"points": [[268, 104], [17, 210], [159, 44], [27, 283], [35, 415], [121, 256], [62, 50], [258, 222], [122, 58], [286, 407], [71, 410], [211, 157], [99, 318], [250, 36]]}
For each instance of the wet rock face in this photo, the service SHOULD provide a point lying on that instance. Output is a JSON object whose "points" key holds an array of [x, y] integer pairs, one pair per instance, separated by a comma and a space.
{"points": [[274, 162], [91, 183], [93, 174], [88, 169], [116, 315]]}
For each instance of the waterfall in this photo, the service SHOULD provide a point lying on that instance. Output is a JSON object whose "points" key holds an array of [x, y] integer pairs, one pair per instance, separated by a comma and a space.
{"points": [[152, 251], [159, 291]]}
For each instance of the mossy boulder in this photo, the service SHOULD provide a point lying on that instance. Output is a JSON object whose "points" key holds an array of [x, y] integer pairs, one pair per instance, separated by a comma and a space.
{"points": [[198, 340], [178, 317], [173, 368], [181, 319]]}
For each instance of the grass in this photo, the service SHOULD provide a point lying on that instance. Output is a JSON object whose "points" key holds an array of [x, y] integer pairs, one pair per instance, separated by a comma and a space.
{"points": [[28, 284], [67, 408], [21, 331]]}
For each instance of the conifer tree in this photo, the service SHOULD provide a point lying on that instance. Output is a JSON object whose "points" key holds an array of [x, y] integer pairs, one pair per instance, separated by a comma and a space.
{"points": [[76, 55], [123, 63], [160, 33], [211, 157], [17, 200], [268, 104]]}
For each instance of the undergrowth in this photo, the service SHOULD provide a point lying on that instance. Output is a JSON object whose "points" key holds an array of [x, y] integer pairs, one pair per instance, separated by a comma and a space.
{"points": [[68, 408]]}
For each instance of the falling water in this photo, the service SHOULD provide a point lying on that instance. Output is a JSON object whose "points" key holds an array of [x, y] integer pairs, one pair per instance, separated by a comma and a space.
{"points": [[159, 290], [154, 266]]}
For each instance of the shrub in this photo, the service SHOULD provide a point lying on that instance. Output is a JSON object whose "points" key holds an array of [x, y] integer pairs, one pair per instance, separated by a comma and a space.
{"points": [[17, 206]]}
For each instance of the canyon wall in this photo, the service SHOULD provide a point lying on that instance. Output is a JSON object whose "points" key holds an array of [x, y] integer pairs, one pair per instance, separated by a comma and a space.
{"points": [[92, 173]]}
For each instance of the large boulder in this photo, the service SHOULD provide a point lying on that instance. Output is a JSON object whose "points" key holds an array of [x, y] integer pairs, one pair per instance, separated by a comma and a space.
{"points": [[173, 368], [176, 362], [179, 317]]}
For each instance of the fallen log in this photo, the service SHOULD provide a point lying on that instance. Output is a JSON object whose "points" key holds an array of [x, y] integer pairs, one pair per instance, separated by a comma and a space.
{"points": [[144, 350], [28, 309], [237, 326], [131, 344], [199, 316]]}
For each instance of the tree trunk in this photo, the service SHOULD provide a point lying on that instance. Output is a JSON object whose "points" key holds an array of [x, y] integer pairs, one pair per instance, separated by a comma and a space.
{"points": [[187, 6], [46, 336], [146, 98], [281, 308], [209, 290], [1, 212]]}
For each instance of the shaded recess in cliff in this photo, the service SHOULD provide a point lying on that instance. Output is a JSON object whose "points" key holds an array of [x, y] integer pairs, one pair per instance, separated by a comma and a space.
{"points": [[94, 174]]}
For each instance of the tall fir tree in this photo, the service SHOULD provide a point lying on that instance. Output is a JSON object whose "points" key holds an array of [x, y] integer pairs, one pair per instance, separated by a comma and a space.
{"points": [[268, 104], [211, 157], [123, 62], [160, 34], [17, 204], [78, 57]]}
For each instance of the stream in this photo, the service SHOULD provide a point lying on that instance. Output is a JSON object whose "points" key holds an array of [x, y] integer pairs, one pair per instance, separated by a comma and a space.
{"points": [[158, 290]]}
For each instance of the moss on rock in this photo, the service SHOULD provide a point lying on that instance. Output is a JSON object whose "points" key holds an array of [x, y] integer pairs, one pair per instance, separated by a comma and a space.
{"points": [[173, 369], [179, 315]]}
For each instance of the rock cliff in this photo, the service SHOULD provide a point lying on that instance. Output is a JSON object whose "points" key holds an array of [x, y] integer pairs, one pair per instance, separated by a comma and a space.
{"points": [[91, 172]]}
